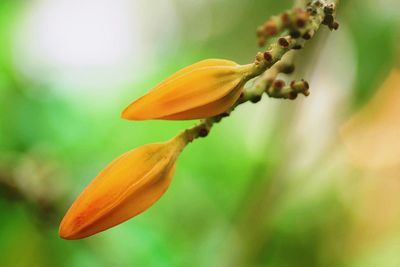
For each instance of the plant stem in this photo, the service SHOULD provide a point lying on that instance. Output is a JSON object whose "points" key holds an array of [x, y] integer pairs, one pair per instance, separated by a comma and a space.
{"points": [[269, 64]]}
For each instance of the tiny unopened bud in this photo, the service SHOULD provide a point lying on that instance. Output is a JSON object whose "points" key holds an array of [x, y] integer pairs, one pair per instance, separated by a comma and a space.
{"points": [[270, 28], [283, 42], [292, 95], [307, 36], [301, 22], [317, 3], [295, 34], [203, 132], [334, 26], [299, 86], [268, 56], [311, 10], [285, 19], [329, 9], [328, 19], [278, 84]]}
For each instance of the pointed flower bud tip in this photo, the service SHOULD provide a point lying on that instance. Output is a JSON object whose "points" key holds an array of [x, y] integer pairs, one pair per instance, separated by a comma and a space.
{"points": [[205, 89], [125, 188]]}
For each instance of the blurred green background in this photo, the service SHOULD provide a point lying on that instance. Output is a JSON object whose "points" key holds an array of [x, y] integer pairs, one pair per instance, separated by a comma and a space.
{"points": [[273, 185]]}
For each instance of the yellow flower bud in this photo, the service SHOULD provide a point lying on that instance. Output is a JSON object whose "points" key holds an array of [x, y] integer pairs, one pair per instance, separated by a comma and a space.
{"points": [[205, 89], [126, 187]]}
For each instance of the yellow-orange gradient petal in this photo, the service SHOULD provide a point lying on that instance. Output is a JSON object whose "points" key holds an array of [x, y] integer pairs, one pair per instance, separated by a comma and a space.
{"points": [[209, 110], [215, 83], [372, 136], [125, 188]]}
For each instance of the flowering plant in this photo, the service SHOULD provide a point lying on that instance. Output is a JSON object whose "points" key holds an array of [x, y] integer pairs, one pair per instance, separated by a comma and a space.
{"points": [[208, 90]]}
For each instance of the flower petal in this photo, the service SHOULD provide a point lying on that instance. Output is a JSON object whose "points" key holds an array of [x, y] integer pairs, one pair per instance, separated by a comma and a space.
{"points": [[128, 186], [209, 110], [191, 88]]}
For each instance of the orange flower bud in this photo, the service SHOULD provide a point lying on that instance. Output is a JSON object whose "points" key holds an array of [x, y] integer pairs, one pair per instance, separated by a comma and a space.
{"points": [[126, 187], [202, 90]]}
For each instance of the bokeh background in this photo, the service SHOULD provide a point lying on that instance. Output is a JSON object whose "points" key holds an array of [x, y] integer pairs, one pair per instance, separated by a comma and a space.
{"points": [[313, 182]]}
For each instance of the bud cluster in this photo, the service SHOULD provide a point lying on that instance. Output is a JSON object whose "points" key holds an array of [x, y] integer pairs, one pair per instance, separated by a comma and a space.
{"points": [[281, 90], [277, 88], [291, 20], [329, 18], [298, 23], [295, 26]]}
